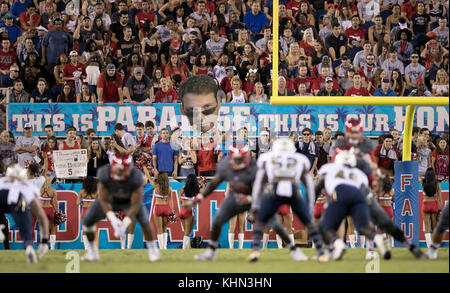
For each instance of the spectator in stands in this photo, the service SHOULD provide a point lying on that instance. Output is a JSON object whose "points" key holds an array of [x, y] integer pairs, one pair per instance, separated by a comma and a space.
{"points": [[41, 94], [328, 89], [421, 90], [118, 29], [367, 10], [440, 85], [442, 31], [237, 95], [403, 45], [128, 140], [85, 96], [165, 158], [336, 43], [293, 135], [376, 32], [208, 154], [48, 130], [414, 71], [139, 88], [385, 90], [187, 158], [357, 90], [309, 148], [14, 31], [70, 143], [386, 154], [324, 149], [423, 155], [109, 86], [27, 146], [97, 157], [7, 153], [67, 94], [176, 66], [255, 20], [356, 36], [85, 31], [440, 160], [8, 79], [326, 29], [19, 95], [56, 42], [151, 134], [393, 63], [367, 72], [302, 90], [166, 94], [18, 7], [7, 57], [397, 82], [360, 57], [30, 19], [216, 43], [420, 24]]}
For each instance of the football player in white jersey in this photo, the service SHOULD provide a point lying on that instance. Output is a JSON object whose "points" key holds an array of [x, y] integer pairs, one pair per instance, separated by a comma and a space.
{"points": [[19, 197], [344, 184], [282, 168]]}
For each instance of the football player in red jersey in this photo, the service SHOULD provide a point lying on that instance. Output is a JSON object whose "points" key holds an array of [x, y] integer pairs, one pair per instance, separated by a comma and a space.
{"points": [[354, 138]]}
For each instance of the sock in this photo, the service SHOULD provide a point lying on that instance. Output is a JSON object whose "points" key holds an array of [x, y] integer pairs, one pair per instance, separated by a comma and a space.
{"points": [[92, 246], [241, 240], [52, 241], [123, 240], [85, 242], [352, 239], [279, 241], [369, 245], [434, 246], [213, 244], [130, 240], [428, 239], [161, 241], [316, 238], [362, 240], [151, 244], [231, 240], [165, 240], [186, 242], [291, 236], [258, 231], [265, 240]]}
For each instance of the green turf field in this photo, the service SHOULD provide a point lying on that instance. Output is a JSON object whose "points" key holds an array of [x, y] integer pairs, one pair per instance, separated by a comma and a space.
{"points": [[228, 261]]}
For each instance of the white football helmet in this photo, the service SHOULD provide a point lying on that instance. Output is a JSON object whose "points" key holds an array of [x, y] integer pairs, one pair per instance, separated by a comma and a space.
{"points": [[16, 172], [346, 157], [284, 145]]}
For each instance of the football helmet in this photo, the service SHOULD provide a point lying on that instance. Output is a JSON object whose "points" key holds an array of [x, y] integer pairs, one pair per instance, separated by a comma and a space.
{"points": [[346, 157], [284, 145], [354, 131], [121, 166], [239, 158]]}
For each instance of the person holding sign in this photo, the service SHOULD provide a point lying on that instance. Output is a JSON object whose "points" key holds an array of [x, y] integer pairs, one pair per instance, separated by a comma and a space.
{"points": [[70, 143]]}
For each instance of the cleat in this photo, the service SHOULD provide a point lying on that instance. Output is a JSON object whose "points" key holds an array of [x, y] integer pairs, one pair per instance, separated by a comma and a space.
{"points": [[339, 249], [432, 253], [379, 240], [208, 255], [42, 250], [417, 252], [154, 255], [31, 255], [323, 257], [297, 254], [370, 254], [254, 256], [387, 245], [91, 256]]}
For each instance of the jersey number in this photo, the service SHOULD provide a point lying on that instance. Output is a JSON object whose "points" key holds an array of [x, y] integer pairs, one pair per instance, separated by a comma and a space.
{"points": [[340, 174]]}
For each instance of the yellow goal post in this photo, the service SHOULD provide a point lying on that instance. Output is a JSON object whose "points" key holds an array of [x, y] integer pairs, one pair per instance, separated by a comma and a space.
{"points": [[411, 102]]}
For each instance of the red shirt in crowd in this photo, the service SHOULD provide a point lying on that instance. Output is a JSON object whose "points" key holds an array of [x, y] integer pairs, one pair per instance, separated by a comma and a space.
{"points": [[361, 92], [70, 69], [110, 87], [384, 162], [25, 19], [441, 164], [294, 6], [319, 84], [355, 35], [248, 87], [409, 9], [170, 96], [307, 81], [226, 84], [307, 48], [206, 160], [142, 17], [7, 59]]}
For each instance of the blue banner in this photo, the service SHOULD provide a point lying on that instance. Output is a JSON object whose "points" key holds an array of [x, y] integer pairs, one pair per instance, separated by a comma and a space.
{"points": [[281, 119], [406, 213]]}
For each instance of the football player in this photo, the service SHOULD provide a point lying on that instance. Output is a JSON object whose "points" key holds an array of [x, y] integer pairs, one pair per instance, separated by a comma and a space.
{"points": [[120, 189], [20, 198], [282, 169], [343, 182], [366, 162], [239, 170]]}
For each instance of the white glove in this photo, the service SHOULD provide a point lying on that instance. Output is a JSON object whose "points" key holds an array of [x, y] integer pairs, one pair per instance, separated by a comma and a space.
{"points": [[2, 236], [115, 223], [124, 226]]}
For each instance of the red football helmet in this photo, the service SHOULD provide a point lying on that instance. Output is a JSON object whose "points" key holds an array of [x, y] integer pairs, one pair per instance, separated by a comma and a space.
{"points": [[121, 166], [239, 158], [354, 131]]}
